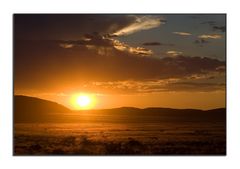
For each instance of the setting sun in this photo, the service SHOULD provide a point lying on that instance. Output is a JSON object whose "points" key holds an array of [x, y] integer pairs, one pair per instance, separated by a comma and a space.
{"points": [[83, 101]]}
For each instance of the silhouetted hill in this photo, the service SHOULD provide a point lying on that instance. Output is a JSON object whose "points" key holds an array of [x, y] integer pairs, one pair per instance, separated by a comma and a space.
{"points": [[156, 114], [30, 109]]}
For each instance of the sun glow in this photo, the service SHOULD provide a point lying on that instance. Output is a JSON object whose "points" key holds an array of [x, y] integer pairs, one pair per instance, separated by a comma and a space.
{"points": [[83, 101]]}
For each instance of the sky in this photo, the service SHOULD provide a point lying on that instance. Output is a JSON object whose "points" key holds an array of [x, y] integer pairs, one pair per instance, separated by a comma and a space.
{"points": [[175, 61]]}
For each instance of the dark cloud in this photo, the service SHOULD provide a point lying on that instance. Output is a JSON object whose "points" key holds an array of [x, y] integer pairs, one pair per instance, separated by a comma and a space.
{"points": [[215, 26], [90, 39], [163, 20], [130, 87], [45, 64], [195, 86], [99, 43], [201, 41], [219, 28], [71, 51], [157, 44], [186, 66]]}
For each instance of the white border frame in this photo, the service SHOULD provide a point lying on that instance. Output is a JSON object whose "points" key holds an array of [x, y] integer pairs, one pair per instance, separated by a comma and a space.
{"points": [[7, 8]]}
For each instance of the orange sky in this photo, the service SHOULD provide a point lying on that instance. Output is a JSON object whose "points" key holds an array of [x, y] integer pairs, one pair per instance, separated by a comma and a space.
{"points": [[175, 61], [198, 100]]}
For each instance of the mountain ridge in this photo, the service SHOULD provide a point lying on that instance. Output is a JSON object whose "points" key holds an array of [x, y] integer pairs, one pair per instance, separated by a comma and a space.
{"points": [[32, 109]]}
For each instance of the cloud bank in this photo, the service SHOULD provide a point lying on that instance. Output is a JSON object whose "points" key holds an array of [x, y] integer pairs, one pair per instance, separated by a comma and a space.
{"points": [[56, 66]]}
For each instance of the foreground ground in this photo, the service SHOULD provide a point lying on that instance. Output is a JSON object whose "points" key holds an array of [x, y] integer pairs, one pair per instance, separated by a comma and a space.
{"points": [[120, 139]]}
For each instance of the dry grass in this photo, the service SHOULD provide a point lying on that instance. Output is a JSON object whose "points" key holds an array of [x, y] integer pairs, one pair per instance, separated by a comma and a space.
{"points": [[119, 139]]}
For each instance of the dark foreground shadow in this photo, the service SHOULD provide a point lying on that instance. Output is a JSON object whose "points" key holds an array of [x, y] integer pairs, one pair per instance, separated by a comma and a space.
{"points": [[82, 145]]}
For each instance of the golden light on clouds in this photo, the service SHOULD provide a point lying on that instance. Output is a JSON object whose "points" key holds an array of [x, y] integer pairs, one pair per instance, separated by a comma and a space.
{"points": [[210, 36], [174, 53], [141, 23], [66, 46], [133, 50], [182, 33]]}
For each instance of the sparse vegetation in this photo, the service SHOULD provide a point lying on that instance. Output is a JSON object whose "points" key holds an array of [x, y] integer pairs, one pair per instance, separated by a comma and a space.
{"points": [[116, 139]]}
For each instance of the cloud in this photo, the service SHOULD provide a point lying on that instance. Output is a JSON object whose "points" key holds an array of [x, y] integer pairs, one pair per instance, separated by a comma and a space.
{"points": [[140, 51], [140, 23], [174, 53], [209, 36], [196, 86], [130, 86], [220, 28], [156, 86], [94, 39], [214, 26], [104, 45], [221, 68], [157, 44], [182, 33], [201, 41], [88, 56], [133, 50], [122, 64], [66, 45], [55, 67]]}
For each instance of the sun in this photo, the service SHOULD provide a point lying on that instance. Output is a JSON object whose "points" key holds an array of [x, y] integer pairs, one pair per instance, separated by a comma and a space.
{"points": [[83, 101]]}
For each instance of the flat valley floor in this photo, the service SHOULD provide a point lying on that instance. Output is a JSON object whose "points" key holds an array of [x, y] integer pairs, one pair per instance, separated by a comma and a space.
{"points": [[183, 138]]}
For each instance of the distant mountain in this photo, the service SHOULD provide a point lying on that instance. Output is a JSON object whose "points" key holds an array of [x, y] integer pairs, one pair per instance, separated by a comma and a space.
{"points": [[156, 114], [31, 109]]}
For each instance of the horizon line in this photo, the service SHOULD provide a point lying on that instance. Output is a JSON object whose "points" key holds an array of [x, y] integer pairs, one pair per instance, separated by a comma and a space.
{"points": [[133, 107]]}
